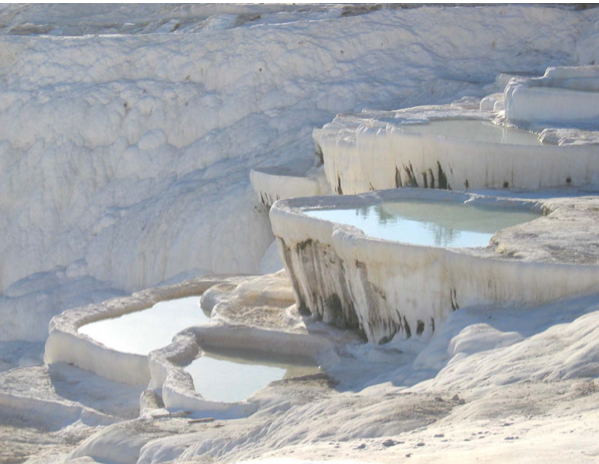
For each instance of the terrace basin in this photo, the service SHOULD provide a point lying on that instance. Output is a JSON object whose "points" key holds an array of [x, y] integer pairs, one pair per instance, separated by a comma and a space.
{"points": [[563, 96], [399, 262], [452, 154], [141, 332], [233, 375]]}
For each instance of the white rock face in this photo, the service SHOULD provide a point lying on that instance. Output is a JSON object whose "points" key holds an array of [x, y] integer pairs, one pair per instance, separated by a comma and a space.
{"points": [[279, 183], [491, 101], [564, 95], [377, 151], [27, 306], [124, 161], [105, 139], [130, 152]]}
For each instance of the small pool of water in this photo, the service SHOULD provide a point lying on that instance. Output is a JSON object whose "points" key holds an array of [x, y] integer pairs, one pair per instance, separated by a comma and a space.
{"points": [[477, 131], [149, 329], [234, 375], [440, 223]]}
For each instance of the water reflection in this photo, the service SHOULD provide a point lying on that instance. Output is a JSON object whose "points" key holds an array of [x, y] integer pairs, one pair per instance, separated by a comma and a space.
{"points": [[441, 223], [234, 375], [147, 330]]}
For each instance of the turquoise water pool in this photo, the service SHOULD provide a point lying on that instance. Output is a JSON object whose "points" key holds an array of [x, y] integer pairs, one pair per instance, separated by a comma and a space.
{"points": [[143, 331], [234, 375], [440, 223]]}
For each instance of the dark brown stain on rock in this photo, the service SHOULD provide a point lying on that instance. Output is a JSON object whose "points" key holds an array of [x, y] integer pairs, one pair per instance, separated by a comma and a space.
{"points": [[442, 177], [398, 183]]}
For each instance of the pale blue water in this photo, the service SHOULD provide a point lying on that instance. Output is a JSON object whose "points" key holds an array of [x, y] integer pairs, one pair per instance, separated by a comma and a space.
{"points": [[477, 131], [235, 375], [149, 329], [226, 375], [441, 224]]}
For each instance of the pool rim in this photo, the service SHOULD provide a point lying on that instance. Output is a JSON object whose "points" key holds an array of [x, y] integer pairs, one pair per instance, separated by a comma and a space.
{"points": [[298, 206]]}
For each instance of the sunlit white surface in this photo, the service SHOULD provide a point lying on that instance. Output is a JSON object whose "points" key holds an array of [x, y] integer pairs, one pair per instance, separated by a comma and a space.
{"points": [[147, 330], [235, 375], [476, 131], [443, 223]]}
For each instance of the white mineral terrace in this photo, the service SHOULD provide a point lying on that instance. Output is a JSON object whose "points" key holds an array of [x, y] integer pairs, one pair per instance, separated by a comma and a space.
{"points": [[386, 287], [564, 95], [67, 344], [299, 234], [282, 182], [210, 368], [214, 369], [550, 104], [441, 149]]}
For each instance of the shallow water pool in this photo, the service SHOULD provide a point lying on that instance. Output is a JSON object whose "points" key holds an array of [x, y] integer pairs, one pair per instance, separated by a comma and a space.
{"points": [[472, 130], [440, 223], [149, 329], [234, 375]]}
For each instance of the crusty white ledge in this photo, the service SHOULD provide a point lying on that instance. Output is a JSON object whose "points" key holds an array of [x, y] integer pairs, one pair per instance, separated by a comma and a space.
{"points": [[163, 369], [387, 288], [564, 95], [376, 152], [272, 184], [65, 343], [167, 365]]}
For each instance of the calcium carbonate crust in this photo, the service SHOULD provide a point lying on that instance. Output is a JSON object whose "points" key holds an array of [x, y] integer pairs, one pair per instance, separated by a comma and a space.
{"points": [[376, 151], [163, 369], [176, 385], [278, 183], [386, 288], [563, 95], [65, 343]]}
